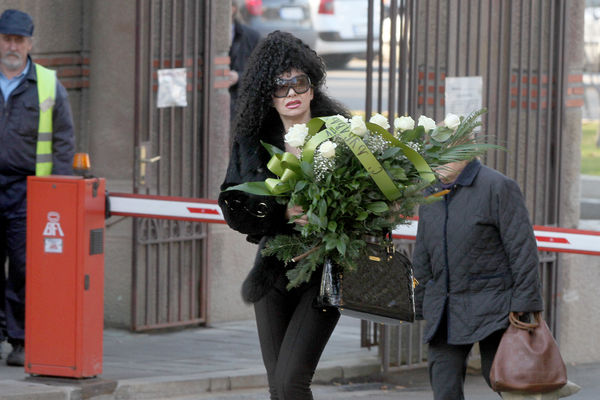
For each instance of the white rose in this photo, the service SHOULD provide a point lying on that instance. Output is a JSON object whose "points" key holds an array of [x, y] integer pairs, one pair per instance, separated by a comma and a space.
{"points": [[426, 123], [357, 126], [296, 135], [380, 120], [341, 117], [404, 123], [452, 121], [327, 149]]}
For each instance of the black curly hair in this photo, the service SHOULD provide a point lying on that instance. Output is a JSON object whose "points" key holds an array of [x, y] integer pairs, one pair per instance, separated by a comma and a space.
{"points": [[276, 54]]}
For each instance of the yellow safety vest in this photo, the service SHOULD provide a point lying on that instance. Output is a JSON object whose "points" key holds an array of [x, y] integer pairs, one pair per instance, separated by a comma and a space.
{"points": [[46, 85]]}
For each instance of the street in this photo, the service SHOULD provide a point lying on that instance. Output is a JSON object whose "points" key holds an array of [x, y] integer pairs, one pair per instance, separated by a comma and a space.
{"points": [[348, 85]]}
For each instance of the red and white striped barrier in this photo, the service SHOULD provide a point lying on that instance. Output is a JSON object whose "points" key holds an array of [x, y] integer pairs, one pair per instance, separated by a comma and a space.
{"points": [[204, 210], [165, 207]]}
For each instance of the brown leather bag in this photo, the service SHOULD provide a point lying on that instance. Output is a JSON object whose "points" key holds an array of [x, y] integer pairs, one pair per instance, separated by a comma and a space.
{"points": [[528, 359]]}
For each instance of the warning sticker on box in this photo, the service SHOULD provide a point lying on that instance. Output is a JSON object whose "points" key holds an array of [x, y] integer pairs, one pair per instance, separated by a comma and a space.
{"points": [[53, 245]]}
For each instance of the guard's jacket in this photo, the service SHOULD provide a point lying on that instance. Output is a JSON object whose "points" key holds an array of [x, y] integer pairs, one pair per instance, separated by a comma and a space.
{"points": [[19, 125]]}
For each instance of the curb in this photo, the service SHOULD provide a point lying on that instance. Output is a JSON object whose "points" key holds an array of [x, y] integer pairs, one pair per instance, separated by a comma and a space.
{"points": [[154, 388]]}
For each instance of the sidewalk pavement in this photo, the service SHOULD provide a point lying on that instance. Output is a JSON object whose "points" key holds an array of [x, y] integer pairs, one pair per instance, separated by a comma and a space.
{"points": [[192, 363]]}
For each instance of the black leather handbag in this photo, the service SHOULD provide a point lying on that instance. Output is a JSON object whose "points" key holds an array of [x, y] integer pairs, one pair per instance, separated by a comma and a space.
{"points": [[380, 289]]}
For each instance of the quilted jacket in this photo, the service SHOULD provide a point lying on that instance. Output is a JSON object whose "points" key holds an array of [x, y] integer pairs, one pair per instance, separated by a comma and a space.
{"points": [[475, 257]]}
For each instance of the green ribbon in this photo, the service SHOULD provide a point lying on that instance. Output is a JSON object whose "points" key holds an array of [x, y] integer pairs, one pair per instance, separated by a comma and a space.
{"points": [[366, 158], [413, 156], [287, 167]]}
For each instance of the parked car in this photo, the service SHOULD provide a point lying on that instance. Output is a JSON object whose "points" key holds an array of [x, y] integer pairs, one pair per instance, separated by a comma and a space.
{"points": [[341, 26], [285, 15]]}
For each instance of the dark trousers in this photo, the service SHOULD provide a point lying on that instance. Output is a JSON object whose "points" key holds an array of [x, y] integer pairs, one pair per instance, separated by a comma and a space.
{"points": [[448, 363], [292, 334], [13, 238]]}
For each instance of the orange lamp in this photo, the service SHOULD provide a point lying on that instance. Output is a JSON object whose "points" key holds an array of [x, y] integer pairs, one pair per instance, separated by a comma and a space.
{"points": [[81, 163]]}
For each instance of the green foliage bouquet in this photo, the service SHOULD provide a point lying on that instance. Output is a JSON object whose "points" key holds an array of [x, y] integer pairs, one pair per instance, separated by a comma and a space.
{"points": [[355, 179]]}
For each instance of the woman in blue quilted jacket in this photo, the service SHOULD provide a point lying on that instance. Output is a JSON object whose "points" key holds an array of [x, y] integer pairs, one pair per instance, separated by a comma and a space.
{"points": [[476, 260]]}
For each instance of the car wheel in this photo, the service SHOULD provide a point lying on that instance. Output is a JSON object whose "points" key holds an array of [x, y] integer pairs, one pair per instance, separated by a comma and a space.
{"points": [[337, 61]]}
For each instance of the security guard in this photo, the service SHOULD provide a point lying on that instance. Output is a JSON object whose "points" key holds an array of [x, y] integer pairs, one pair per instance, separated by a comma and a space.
{"points": [[36, 136]]}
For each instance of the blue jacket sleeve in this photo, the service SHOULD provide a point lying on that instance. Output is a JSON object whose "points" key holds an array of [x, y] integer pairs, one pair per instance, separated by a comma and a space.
{"points": [[422, 269], [520, 246]]}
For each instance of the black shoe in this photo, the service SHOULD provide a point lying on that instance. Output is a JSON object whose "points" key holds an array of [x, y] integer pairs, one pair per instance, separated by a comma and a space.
{"points": [[16, 357]]}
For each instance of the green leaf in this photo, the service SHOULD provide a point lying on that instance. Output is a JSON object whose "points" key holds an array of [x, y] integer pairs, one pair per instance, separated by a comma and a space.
{"points": [[331, 226], [300, 185], [322, 207], [441, 134], [258, 188], [341, 247], [413, 134], [271, 149], [391, 152], [362, 216], [378, 207], [307, 169]]}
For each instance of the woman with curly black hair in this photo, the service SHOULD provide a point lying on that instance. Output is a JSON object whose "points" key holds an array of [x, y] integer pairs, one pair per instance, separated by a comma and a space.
{"points": [[281, 86]]}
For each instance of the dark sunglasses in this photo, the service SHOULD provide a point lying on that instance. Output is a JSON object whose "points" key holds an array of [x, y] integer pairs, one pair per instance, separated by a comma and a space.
{"points": [[300, 84]]}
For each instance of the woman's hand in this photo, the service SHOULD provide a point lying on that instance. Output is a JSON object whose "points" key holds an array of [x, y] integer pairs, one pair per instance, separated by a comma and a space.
{"points": [[295, 211]]}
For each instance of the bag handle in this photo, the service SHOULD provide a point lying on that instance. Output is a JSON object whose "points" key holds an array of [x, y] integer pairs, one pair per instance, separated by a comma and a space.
{"points": [[517, 323]]}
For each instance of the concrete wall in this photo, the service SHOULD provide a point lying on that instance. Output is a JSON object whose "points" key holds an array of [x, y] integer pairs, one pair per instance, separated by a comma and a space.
{"points": [[230, 256], [111, 138]]}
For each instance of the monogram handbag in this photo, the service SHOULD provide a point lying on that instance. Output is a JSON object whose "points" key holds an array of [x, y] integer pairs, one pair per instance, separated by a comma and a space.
{"points": [[380, 289], [528, 359]]}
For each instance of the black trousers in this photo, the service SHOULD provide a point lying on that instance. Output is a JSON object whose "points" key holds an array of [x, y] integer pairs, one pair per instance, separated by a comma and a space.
{"points": [[448, 363], [293, 334]]}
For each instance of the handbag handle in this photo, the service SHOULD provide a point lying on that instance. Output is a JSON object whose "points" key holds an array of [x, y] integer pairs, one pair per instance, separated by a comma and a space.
{"points": [[517, 323]]}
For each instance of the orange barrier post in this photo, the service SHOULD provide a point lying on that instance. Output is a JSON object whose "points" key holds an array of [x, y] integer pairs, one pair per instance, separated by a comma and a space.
{"points": [[64, 308]]}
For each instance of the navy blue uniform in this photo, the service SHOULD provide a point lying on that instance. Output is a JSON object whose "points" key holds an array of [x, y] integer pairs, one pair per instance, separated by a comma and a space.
{"points": [[19, 118]]}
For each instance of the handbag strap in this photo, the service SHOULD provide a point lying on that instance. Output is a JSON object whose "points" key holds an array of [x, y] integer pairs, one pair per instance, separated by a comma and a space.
{"points": [[517, 323]]}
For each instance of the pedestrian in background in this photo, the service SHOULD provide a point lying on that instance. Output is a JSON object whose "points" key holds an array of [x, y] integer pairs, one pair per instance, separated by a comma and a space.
{"points": [[476, 260], [36, 132], [281, 86], [243, 40]]}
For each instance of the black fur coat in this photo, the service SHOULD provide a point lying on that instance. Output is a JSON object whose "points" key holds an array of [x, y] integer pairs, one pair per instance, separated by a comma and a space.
{"points": [[259, 217]]}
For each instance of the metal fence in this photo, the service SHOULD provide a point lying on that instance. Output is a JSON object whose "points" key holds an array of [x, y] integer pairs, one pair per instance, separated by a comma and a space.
{"points": [[517, 48], [169, 257]]}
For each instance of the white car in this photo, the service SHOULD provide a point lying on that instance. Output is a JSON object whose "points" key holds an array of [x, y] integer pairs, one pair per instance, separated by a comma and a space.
{"points": [[341, 27], [286, 15], [591, 36]]}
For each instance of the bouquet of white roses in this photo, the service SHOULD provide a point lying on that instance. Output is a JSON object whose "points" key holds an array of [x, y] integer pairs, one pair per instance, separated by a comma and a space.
{"points": [[355, 179]]}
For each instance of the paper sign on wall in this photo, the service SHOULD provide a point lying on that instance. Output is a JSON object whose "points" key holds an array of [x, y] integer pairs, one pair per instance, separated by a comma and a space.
{"points": [[172, 88], [463, 94]]}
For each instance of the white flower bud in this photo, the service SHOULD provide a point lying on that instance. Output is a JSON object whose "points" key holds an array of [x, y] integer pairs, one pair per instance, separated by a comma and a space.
{"points": [[426, 122], [327, 149], [380, 120], [452, 121], [341, 118], [357, 126], [296, 135], [404, 123]]}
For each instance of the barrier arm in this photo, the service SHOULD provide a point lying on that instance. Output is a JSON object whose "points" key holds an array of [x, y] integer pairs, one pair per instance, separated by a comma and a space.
{"points": [[551, 239]]}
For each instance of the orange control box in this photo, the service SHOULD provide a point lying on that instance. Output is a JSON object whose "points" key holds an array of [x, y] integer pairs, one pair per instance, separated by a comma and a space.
{"points": [[64, 308]]}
